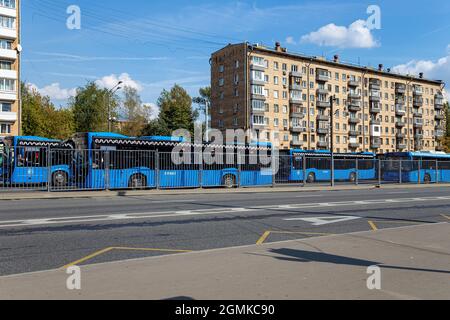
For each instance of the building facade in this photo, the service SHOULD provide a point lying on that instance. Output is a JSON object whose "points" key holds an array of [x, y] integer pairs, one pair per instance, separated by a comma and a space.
{"points": [[289, 97], [10, 49]]}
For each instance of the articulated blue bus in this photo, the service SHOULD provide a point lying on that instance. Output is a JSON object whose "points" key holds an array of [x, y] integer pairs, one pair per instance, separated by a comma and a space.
{"points": [[347, 166], [433, 167], [24, 161], [114, 161]]}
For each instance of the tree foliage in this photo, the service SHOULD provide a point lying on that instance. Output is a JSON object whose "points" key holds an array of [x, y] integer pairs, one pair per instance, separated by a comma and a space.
{"points": [[135, 114], [41, 118], [176, 112], [90, 108]]}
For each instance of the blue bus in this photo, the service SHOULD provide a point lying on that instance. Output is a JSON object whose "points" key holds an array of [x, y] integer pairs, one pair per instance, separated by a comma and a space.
{"points": [[24, 161], [347, 166], [114, 161], [434, 167]]}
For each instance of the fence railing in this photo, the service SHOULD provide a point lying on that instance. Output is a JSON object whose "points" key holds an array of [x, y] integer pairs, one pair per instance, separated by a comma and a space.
{"points": [[45, 169]]}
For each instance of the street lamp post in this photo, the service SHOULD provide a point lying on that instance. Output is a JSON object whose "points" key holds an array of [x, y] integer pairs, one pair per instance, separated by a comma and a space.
{"points": [[109, 94], [332, 100]]}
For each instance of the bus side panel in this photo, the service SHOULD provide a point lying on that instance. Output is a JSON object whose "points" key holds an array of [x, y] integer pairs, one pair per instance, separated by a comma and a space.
{"points": [[28, 175], [179, 178], [96, 179], [296, 176], [256, 178], [214, 178]]}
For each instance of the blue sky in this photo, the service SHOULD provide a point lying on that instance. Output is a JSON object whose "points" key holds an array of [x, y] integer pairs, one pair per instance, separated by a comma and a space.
{"points": [[153, 44]]}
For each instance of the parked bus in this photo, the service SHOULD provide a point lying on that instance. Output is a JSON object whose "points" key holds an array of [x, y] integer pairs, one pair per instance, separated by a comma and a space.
{"points": [[347, 166], [146, 162], [24, 161], [433, 167]]}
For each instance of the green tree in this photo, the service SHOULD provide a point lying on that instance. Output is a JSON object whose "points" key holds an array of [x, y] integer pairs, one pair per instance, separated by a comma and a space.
{"points": [[135, 114], [90, 107], [446, 139], [41, 118]]}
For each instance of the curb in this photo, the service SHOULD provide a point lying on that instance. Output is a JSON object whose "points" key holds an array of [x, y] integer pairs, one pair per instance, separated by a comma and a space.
{"points": [[130, 193]]}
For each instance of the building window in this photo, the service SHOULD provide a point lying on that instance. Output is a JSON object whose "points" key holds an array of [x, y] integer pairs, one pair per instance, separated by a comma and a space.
{"points": [[8, 4], [5, 107], [6, 44], [7, 84], [5, 65], [7, 22], [5, 128]]}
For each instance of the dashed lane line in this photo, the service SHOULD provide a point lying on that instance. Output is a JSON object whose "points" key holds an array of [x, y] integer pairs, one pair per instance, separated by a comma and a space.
{"points": [[204, 212]]}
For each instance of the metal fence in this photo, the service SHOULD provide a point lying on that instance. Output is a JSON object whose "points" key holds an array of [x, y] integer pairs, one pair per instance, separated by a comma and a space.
{"points": [[46, 169]]}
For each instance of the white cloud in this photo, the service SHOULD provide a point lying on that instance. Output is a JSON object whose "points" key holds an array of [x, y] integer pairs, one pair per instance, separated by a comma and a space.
{"points": [[154, 110], [290, 40], [437, 70], [112, 80], [357, 35], [54, 91]]}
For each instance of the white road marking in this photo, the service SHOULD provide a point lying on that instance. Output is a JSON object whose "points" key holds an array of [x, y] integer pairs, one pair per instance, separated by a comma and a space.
{"points": [[205, 212], [321, 221]]}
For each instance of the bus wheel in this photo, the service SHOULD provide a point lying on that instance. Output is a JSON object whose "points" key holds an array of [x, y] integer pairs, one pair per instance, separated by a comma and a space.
{"points": [[352, 178], [427, 179], [59, 179], [229, 181], [137, 181], [311, 178]]}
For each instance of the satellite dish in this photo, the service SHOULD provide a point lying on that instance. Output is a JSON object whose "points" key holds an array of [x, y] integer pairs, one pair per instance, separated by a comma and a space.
{"points": [[19, 48]]}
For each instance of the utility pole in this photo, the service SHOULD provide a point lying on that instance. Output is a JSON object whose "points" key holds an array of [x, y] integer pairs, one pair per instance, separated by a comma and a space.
{"points": [[108, 97], [332, 100]]}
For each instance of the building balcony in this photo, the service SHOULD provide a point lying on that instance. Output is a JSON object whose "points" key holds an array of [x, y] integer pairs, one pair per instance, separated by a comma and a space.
{"points": [[400, 110], [376, 97], [401, 146], [400, 135], [418, 136], [400, 89], [418, 125], [439, 133], [322, 117], [323, 104], [295, 113], [295, 100], [375, 122], [8, 116], [375, 84], [418, 102], [417, 91], [354, 108], [375, 108], [354, 133], [439, 116], [8, 74], [298, 129], [259, 125], [322, 91], [8, 33], [257, 67], [354, 120], [9, 12], [323, 75], [418, 114], [8, 95], [323, 131], [354, 145], [354, 95], [375, 143], [257, 82], [297, 143], [260, 97], [259, 112], [322, 144], [296, 87], [296, 74], [400, 124], [439, 106], [8, 54], [354, 83]]}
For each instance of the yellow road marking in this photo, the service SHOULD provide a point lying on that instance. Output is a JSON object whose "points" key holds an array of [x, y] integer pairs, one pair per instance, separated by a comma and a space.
{"points": [[445, 216], [263, 238], [373, 226], [268, 233], [93, 255], [100, 252]]}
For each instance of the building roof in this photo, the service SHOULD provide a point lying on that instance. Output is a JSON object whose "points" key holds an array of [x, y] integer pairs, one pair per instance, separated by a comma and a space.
{"points": [[265, 49]]}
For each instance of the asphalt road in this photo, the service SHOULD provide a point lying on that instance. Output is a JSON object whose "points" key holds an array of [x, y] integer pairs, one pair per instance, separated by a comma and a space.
{"points": [[46, 234]]}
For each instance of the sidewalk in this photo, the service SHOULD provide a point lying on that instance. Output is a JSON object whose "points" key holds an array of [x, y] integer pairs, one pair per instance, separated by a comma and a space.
{"points": [[30, 195], [415, 264]]}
